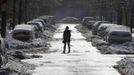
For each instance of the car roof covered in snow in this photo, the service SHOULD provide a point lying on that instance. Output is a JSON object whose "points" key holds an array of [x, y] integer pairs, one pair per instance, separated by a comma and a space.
{"points": [[38, 20], [24, 27], [120, 28], [105, 25], [97, 22]]}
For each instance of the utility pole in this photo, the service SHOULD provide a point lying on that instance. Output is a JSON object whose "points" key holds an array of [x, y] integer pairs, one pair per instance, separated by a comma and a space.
{"points": [[3, 15]]}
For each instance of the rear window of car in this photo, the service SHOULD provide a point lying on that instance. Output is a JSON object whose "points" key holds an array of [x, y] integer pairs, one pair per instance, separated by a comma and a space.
{"points": [[126, 35], [115, 34], [121, 34], [25, 33]]}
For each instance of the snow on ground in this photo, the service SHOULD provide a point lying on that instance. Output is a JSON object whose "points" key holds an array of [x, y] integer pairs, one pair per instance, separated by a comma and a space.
{"points": [[16, 44], [126, 66], [84, 59], [105, 47]]}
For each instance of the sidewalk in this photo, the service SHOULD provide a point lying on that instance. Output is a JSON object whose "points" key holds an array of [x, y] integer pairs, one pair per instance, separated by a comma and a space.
{"points": [[84, 59]]}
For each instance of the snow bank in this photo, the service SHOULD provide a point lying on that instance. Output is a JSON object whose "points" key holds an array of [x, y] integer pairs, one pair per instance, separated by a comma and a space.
{"points": [[16, 44], [126, 66], [16, 67], [105, 47]]}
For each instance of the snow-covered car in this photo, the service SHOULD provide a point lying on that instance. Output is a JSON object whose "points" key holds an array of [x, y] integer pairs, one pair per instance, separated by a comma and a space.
{"points": [[47, 19], [38, 25], [86, 20], [50, 19], [119, 34], [96, 25], [40, 20], [101, 29], [106, 31], [90, 24], [41, 26], [23, 32], [38, 29]]}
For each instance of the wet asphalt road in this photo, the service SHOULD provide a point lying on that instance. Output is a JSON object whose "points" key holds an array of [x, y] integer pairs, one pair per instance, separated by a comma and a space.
{"points": [[84, 59]]}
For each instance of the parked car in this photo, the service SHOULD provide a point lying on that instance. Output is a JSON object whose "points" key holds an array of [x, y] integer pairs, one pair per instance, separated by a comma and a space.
{"points": [[52, 20], [45, 19], [119, 34], [38, 25], [106, 31], [23, 32], [96, 25], [3, 55], [40, 20], [101, 29], [39, 30], [86, 20], [41, 26], [90, 24]]}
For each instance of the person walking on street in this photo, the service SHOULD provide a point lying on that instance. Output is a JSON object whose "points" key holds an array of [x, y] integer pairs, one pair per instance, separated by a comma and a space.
{"points": [[66, 39]]}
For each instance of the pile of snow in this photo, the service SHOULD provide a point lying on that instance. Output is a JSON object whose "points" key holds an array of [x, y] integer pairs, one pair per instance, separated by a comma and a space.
{"points": [[15, 67], [126, 48], [106, 48], [16, 44], [126, 66]]}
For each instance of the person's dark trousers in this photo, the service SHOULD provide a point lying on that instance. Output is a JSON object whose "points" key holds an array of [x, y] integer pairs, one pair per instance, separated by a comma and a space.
{"points": [[65, 47]]}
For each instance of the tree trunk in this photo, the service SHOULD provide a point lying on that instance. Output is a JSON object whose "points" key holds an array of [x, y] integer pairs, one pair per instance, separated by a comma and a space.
{"points": [[132, 19], [3, 24], [25, 11], [20, 12], [119, 17], [14, 12]]}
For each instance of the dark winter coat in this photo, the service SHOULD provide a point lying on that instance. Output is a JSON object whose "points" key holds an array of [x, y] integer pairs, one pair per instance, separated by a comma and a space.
{"points": [[66, 36]]}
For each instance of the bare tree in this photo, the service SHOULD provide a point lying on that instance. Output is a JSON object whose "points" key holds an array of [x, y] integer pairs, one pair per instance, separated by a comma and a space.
{"points": [[3, 12]]}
